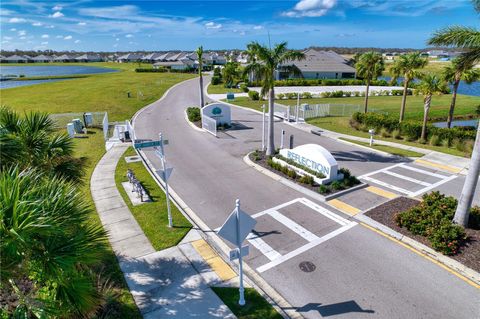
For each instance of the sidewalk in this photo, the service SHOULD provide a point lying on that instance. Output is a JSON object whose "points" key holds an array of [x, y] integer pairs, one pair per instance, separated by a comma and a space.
{"points": [[174, 282]]}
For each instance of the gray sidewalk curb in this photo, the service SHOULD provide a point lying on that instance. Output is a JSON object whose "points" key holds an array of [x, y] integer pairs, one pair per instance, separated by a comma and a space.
{"points": [[444, 260], [297, 187]]}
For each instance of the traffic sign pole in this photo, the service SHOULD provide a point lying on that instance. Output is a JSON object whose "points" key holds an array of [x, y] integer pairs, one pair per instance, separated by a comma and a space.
{"points": [[241, 301], [263, 127], [165, 179]]}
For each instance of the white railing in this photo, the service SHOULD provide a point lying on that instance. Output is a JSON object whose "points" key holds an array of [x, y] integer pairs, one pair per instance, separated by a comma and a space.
{"points": [[105, 126], [283, 111], [308, 111], [130, 130], [209, 124]]}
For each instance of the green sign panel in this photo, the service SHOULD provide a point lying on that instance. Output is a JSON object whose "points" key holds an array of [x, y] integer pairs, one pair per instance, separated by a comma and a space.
{"points": [[147, 144]]}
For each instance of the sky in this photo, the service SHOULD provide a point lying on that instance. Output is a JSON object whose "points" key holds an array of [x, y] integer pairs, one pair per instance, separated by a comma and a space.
{"points": [[84, 25]]}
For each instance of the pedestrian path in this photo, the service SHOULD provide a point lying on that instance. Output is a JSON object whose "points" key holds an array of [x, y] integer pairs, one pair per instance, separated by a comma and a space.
{"points": [[172, 283]]}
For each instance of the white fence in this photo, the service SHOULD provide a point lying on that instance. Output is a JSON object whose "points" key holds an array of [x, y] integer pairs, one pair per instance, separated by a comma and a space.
{"points": [[283, 111], [105, 126], [130, 130], [209, 124], [308, 111]]}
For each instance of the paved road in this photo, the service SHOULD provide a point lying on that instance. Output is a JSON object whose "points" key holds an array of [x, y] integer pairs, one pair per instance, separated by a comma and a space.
{"points": [[358, 273]]}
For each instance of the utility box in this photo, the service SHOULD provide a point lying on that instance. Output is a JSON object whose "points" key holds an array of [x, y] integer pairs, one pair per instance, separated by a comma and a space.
{"points": [[88, 119], [230, 96], [70, 130], [77, 125]]}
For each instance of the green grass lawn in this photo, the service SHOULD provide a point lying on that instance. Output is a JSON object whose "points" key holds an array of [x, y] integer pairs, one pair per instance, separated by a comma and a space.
{"points": [[96, 92], [220, 88], [385, 148], [152, 217], [432, 67], [465, 105], [256, 307], [92, 148]]}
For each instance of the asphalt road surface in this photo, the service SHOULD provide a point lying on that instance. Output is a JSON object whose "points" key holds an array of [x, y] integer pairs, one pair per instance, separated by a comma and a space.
{"points": [[351, 271]]}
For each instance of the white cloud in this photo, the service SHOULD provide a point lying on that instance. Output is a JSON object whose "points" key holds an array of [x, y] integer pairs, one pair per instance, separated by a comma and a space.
{"points": [[17, 20], [22, 38], [68, 37], [213, 25], [77, 41], [81, 23], [129, 36], [57, 14], [22, 32], [50, 27], [258, 27], [44, 43], [57, 8], [8, 38], [3, 42], [13, 29], [125, 11], [5, 12], [45, 36], [310, 8], [37, 24], [117, 39], [59, 36]]}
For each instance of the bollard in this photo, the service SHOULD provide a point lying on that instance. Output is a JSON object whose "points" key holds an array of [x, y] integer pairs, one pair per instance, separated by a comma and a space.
{"points": [[128, 94], [291, 141]]}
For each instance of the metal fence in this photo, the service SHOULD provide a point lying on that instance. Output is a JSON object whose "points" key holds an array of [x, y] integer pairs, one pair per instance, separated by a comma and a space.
{"points": [[209, 124], [308, 111], [283, 111]]}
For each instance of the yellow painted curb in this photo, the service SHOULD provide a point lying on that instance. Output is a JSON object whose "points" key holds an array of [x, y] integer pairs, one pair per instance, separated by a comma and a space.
{"points": [[381, 192], [220, 267], [453, 272], [350, 210], [447, 168]]}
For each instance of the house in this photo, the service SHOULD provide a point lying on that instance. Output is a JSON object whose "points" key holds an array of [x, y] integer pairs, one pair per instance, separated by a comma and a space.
{"points": [[319, 65], [2, 58], [388, 56], [438, 54], [15, 59], [89, 57], [152, 57], [174, 65], [42, 58], [64, 58], [130, 57]]}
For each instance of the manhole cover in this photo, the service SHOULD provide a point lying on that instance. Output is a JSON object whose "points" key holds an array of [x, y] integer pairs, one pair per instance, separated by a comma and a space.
{"points": [[307, 266]]}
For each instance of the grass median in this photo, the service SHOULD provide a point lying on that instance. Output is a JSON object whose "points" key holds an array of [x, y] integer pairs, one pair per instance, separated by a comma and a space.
{"points": [[220, 89], [386, 148], [256, 306], [151, 216]]}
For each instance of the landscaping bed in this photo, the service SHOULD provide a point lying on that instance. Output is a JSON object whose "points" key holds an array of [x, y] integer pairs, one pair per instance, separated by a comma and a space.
{"points": [[194, 115], [307, 181], [468, 252]]}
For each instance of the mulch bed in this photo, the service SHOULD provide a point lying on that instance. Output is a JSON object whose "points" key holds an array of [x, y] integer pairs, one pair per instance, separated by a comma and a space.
{"points": [[469, 252]]}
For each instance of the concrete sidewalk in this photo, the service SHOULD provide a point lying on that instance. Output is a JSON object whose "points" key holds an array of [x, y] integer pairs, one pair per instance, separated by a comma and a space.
{"points": [[174, 282]]}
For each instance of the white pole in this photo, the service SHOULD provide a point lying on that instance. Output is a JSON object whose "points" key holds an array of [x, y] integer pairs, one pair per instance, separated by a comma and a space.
{"points": [[282, 138], [263, 127], [164, 165], [297, 108], [241, 301]]}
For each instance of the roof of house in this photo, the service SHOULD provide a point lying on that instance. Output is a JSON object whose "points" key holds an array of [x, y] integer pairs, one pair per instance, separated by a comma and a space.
{"points": [[42, 57], [176, 56], [322, 61], [88, 56], [16, 58], [130, 56], [152, 56], [64, 57]]}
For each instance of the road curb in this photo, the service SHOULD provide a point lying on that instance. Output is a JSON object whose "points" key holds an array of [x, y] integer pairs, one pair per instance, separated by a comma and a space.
{"points": [[448, 262]]}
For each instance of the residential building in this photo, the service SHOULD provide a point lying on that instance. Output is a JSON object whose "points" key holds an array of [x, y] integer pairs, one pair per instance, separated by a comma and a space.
{"points": [[130, 57], [15, 59], [42, 58], [64, 58], [89, 57]]}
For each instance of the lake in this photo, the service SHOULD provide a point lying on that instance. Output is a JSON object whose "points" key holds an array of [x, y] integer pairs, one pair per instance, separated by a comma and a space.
{"points": [[46, 70], [463, 88], [473, 123]]}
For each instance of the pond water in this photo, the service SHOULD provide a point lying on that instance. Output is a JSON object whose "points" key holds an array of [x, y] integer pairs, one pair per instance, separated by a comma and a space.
{"points": [[463, 88], [45, 70], [473, 123]]}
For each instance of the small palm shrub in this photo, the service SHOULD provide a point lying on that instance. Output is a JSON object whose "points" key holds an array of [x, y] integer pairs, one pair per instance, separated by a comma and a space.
{"points": [[254, 95], [396, 134], [434, 140], [384, 132]]}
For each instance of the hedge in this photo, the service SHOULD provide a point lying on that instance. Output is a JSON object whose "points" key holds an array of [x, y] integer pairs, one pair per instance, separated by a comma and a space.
{"points": [[323, 82], [194, 114], [159, 70], [254, 95], [410, 129]]}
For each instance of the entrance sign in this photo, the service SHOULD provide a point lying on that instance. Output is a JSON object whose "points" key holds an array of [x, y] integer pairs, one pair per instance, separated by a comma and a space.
{"points": [[235, 229], [219, 112], [314, 157]]}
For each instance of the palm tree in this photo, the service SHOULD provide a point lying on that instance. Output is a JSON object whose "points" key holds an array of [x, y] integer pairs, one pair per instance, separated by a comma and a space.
{"points": [[407, 65], [48, 246], [429, 85], [230, 73], [268, 61], [199, 52], [31, 141], [453, 74], [369, 66]]}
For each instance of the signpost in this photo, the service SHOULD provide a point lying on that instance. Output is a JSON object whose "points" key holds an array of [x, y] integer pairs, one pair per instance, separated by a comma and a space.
{"points": [[263, 127], [165, 173], [235, 229]]}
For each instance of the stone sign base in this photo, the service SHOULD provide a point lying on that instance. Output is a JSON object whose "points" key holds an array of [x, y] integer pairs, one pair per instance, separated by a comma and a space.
{"points": [[134, 199]]}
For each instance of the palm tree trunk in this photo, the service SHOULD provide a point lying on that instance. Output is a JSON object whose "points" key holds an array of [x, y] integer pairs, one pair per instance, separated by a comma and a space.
{"points": [[465, 202], [452, 104], [271, 136], [366, 95], [426, 108], [404, 99], [201, 89]]}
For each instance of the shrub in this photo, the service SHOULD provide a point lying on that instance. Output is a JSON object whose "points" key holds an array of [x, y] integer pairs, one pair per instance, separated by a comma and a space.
{"points": [[458, 144], [216, 80], [280, 96], [306, 95], [217, 72], [337, 185], [474, 219], [306, 179], [348, 94], [194, 114], [254, 95], [323, 189], [396, 134], [326, 94], [478, 109], [292, 174], [144, 70], [345, 171], [291, 96], [384, 132], [434, 140], [357, 94], [244, 88]]}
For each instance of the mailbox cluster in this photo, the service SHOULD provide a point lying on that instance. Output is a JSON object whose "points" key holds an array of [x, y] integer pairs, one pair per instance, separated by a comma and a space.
{"points": [[137, 186]]}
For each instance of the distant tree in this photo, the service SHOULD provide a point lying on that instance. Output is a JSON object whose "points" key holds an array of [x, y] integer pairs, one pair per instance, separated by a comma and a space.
{"points": [[32, 141], [453, 74], [408, 66], [369, 66], [230, 73], [199, 52], [263, 66], [429, 85]]}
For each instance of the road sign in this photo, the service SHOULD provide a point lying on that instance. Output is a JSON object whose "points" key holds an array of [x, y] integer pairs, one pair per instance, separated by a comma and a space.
{"points": [[228, 230], [167, 173], [235, 255], [140, 145]]}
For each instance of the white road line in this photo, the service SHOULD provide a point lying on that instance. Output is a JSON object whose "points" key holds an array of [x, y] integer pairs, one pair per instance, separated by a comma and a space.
{"points": [[325, 212], [293, 226], [304, 248], [398, 189], [263, 247], [380, 170], [267, 211], [426, 189], [423, 171], [413, 180]]}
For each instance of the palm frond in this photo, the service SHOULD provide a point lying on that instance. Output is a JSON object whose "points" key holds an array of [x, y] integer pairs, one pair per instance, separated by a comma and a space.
{"points": [[456, 36]]}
